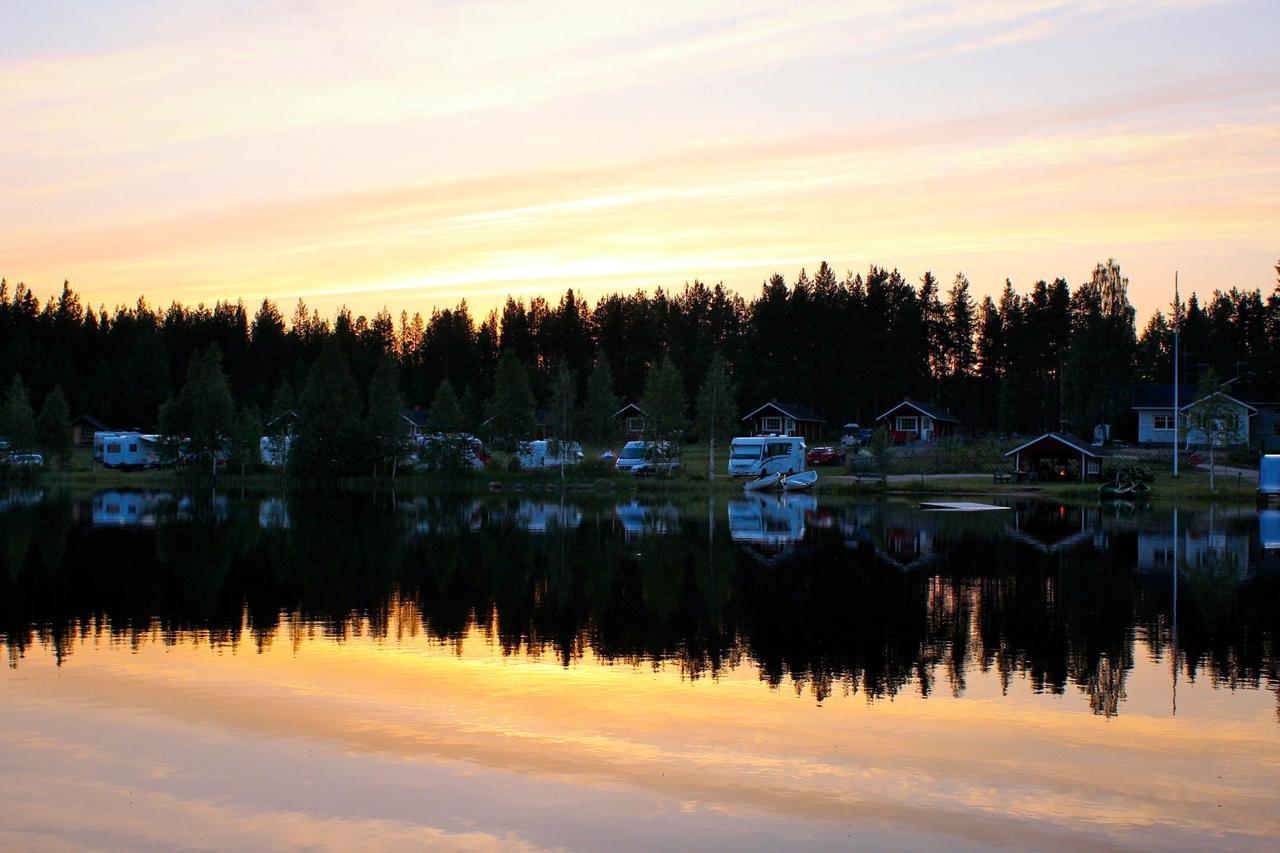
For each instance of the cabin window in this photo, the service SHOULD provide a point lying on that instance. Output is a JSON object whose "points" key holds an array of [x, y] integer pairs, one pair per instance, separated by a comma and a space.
{"points": [[907, 423], [771, 423], [1164, 423], [635, 424]]}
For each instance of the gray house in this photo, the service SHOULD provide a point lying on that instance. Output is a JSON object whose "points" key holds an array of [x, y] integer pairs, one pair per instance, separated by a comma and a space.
{"points": [[1257, 414]]}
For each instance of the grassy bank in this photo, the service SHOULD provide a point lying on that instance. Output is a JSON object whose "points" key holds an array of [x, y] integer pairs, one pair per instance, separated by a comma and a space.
{"points": [[82, 473]]}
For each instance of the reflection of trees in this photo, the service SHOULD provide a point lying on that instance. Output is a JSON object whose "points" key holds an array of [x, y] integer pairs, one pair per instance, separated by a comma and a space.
{"points": [[836, 616]]}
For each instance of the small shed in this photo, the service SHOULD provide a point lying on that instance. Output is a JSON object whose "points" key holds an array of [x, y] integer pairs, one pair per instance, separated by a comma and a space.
{"points": [[632, 422], [775, 418], [911, 421], [84, 428], [1058, 457]]}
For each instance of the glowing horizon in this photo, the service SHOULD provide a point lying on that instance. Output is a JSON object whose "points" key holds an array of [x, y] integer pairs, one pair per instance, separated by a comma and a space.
{"points": [[409, 156]]}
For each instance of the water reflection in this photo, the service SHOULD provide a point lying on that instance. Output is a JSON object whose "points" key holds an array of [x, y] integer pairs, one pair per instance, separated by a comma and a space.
{"points": [[856, 598]]}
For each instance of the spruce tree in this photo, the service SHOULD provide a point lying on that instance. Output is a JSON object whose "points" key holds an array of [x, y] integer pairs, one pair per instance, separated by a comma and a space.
{"points": [[664, 405], [601, 403], [53, 427], [385, 424], [511, 409], [330, 438], [446, 413]]}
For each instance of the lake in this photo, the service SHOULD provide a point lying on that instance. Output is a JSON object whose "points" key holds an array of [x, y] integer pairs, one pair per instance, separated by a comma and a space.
{"points": [[369, 671]]}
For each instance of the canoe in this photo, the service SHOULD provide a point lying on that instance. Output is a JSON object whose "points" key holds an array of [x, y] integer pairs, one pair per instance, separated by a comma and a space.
{"points": [[768, 481], [799, 482]]}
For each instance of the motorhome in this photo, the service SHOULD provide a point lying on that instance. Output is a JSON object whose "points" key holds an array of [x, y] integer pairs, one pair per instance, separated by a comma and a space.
{"points": [[549, 454], [130, 450], [766, 454], [100, 444], [639, 457]]}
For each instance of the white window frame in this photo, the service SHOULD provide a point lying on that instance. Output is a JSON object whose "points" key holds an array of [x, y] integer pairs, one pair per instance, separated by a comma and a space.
{"points": [[635, 423], [1167, 420], [771, 423], [901, 422]]}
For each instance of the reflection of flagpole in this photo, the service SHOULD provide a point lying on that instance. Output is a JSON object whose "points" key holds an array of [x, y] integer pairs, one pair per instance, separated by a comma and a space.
{"points": [[1175, 609]]}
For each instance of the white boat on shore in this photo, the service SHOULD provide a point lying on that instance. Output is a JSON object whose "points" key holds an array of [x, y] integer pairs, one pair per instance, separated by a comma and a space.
{"points": [[799, 482], [763, 483]]}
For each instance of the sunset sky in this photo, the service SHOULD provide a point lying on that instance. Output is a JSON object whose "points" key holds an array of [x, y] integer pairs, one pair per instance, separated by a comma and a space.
{"points": [[412, 154]]}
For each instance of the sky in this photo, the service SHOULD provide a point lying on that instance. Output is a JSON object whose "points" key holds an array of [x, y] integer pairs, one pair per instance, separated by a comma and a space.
{"points": [[413, 154]]}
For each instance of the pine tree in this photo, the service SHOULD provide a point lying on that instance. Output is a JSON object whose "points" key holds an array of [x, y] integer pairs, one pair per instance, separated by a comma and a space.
{"points": [[53, 427], [601, 403]]}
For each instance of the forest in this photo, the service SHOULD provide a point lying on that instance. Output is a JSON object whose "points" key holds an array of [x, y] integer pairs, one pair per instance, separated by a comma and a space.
{"points": [[1052, 357]]}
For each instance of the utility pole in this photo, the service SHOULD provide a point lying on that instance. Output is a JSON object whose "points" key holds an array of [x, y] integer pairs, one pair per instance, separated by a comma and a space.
{"points": [[1177, 326]]}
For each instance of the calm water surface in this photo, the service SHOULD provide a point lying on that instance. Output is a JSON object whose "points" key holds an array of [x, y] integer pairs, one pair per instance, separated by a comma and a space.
{"points": [[363, 671]]}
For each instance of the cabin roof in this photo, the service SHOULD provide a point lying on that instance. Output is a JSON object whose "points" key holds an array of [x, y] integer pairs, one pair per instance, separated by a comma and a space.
{"points": [[1156, 396], [1076, 444], [91, 421], [795, 411], [925, 409], [629, 407], [416, 416]]}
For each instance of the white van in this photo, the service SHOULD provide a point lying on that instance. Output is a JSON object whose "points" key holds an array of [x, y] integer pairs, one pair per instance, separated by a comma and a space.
{"points": [[542, 454], [131, 450], [766, 454], [638, 457]]}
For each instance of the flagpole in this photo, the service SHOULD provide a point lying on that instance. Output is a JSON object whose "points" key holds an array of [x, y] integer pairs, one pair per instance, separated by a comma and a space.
{"points": [[1177, 325]]}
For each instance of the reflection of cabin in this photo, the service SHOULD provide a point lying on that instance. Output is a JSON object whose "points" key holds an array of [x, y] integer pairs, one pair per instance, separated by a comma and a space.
{"points": [[84, 428], [1256, 409], [1051, 530], [632, 422], [774, 418], [911, 421], [1058, 457]]}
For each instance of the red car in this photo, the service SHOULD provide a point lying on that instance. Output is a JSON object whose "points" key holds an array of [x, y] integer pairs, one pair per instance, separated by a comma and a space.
{"points": [[825, 456]]}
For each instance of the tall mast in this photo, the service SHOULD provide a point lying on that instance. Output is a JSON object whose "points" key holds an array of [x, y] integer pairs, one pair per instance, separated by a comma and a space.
{"points": [[1177, 325]]}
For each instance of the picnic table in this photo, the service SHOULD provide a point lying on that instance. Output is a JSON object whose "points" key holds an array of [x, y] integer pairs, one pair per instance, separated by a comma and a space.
{"points": [[1013, 477]]}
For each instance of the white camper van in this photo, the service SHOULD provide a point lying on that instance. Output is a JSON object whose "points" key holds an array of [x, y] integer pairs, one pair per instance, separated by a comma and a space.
{"points": [[131, 450], [549, 454], [766, 454]]}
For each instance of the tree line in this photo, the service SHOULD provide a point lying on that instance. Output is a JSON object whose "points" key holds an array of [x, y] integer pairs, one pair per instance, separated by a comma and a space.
{"points": [[848, 347]]}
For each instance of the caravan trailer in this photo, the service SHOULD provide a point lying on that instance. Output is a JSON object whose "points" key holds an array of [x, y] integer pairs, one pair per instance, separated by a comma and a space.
{"points": [[766, 454], [549, 454], [129, 450], [100, 444]]}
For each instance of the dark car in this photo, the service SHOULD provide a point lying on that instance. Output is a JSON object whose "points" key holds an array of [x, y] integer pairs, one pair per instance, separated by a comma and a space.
{"points": [[825, 456]]}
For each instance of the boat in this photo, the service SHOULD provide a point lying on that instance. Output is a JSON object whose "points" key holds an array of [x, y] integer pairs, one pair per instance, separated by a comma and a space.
{"points": [[762, 483], [799, 482]]}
